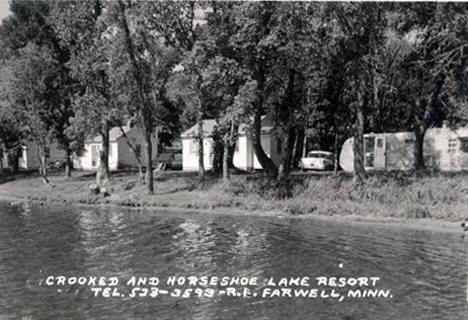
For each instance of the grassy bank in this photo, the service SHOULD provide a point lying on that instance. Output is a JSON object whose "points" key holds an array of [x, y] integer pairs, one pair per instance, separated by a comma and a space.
{"points": [[385, 195]]}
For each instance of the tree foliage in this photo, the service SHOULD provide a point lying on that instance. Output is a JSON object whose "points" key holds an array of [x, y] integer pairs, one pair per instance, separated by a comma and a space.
{"points": [[320, 71]]}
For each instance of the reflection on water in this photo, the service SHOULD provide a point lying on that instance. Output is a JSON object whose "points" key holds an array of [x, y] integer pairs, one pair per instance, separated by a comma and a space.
{"points": [[425, 270]]}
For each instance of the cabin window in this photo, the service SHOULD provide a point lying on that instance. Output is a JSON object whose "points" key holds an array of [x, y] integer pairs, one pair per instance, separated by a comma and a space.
{"points": [[464, 145], [380, 143], [369, 144], [369, 160], [452, 145], [408, 141], [138, 150]]}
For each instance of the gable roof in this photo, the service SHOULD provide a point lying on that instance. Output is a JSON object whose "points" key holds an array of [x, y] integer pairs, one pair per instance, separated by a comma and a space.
{"points": [[208, 128], [114, 134], [210, 124]]}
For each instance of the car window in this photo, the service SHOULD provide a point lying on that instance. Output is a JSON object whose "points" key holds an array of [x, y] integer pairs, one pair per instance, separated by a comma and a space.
{"points": [[321, 155], [313, 155]]}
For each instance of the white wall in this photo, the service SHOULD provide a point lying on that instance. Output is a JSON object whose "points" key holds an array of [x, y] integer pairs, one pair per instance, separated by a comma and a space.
{"points": [[120, 155], [21, 162], [240, 159], [244, 156], [190, 154], [23, 159], [84, 162]]}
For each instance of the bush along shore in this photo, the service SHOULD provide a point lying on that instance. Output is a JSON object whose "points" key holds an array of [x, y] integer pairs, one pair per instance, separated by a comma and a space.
{"points": [[383, 195]]}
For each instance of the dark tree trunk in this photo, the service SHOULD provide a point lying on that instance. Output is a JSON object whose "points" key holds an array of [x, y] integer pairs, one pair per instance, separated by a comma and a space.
{"points": [[141, 177], [335, 154], [218, 154], [42, 156], [149, 160], [13, 159], [358, 145], [103, 172], [419, 133], [267, 164], [201, 153], [290, 132], [146, 106], [226, 162], [423, 122], [43, 168], [68, 162], [299, 147], [286, 155]]}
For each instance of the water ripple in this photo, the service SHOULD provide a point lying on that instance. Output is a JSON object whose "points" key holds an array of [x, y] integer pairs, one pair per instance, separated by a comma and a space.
{"points": [[424, 270]]}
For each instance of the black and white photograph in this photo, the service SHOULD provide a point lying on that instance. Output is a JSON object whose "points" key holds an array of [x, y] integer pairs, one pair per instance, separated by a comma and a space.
{"points": [[233, 160]]}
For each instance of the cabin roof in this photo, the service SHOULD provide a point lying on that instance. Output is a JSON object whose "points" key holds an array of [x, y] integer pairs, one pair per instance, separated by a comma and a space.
{"points": [[114, 134]]}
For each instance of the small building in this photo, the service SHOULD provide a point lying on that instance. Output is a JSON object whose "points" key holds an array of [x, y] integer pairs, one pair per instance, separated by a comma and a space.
{"points": [[120, 153], [28, 157], [444, 149], [244, 155]]}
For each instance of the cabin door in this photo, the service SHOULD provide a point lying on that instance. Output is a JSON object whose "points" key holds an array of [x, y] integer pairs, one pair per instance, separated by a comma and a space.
{"points": [[380, 152], [369, 152]]}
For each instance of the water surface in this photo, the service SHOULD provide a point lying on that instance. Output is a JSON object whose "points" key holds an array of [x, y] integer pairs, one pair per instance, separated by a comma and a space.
{"points": [[425, 270]]}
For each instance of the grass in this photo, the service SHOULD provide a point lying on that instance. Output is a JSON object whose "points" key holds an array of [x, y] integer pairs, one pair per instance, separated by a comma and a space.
{"points": [[385, 195]]}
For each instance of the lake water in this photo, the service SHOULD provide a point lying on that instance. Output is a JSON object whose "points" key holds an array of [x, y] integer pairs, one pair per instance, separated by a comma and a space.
{"points": [[425, 271]]}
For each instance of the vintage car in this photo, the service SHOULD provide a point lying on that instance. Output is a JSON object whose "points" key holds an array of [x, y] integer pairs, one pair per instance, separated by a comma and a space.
{"points": [[317, 160], [169, 161]]}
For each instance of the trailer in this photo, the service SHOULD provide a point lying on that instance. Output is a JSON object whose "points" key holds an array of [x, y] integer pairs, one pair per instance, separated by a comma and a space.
{"points": [[444, 149]]}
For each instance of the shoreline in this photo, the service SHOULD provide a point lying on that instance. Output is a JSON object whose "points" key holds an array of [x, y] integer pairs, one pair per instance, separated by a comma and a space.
{"points": [[421, 224], [437, 202]]}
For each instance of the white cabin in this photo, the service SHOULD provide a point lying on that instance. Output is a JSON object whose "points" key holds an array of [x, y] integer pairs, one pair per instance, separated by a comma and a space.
{"points": [[28, 158], [444, 149], [120, 154], [244, 155]]}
